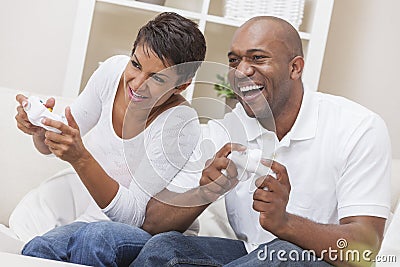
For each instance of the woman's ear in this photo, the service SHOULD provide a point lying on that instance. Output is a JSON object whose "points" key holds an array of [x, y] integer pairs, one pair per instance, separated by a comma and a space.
{"points": [[296, 66], [180, 88]]}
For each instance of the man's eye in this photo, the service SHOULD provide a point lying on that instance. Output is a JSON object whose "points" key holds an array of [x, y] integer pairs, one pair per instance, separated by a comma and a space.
{"points": [[135, 64], [233, 60], [157, 78], [258, 58]]}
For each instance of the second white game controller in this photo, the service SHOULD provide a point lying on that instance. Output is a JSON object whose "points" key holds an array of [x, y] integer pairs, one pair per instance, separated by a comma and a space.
{"points": [[37, 111], [249, 161]]}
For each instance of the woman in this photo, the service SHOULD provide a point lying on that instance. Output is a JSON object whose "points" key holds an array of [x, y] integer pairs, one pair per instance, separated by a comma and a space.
{"points": [[139, 126]]}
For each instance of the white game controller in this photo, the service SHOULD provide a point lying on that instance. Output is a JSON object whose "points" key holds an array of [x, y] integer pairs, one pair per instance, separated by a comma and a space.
{"points": [[37, 111], [249, 160]]}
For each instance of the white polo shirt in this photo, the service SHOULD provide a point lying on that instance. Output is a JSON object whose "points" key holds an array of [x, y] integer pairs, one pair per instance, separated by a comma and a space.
{"points": [[337, 155]]}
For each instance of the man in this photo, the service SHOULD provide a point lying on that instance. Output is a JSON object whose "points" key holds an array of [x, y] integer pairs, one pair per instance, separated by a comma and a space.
{"points": [[331, 158]]}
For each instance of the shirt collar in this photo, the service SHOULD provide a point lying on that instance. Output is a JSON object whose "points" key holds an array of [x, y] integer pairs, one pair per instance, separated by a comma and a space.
{"points": [[252, 127], [305, 126]]}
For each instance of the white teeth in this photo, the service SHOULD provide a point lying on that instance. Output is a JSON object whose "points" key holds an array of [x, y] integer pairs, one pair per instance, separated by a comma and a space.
{"points": [[137, 95], [250, 87]]}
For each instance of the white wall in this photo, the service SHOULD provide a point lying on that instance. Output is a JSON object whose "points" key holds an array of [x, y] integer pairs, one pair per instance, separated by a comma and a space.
{"points": [[360, 61], [35, 38], [362, 58]]}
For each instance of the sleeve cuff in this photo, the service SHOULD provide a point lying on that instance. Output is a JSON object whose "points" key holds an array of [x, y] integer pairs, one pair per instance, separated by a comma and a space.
{"points": [[114, 201], [183, 182], [364, 210]]}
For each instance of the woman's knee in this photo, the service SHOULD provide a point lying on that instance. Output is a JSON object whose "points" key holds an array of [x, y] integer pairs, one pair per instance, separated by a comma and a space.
{"points": [[54, 241], [43, 247], [112, 233], [37, 244], [91, 232]]}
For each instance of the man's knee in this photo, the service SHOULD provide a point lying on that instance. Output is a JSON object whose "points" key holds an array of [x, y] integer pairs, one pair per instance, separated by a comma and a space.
{"points": [[278, 244], [159, 242], [167, 238], [159, 249]]}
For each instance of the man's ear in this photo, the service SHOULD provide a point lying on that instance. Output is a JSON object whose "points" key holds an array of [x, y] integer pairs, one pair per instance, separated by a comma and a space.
{"points": [[296, 67], [180, 88]]}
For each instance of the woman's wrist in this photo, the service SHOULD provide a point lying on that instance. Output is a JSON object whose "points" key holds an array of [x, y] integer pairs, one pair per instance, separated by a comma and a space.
{"points": [[38, 141], [84, 161]]}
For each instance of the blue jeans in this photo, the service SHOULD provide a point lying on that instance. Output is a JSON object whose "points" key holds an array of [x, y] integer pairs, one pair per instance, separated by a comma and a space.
{"points": [[96, 244], [175, 249]]}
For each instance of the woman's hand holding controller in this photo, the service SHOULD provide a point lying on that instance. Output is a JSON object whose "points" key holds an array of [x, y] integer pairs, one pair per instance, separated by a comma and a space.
{"points": [[67, 146], [23, 122]]}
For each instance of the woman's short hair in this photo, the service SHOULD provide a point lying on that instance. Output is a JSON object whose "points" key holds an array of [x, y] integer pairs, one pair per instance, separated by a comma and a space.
{"points": [[175, 40]]}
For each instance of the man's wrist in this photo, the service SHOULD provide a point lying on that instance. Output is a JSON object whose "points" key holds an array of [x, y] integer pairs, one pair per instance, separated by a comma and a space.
{"points": [[286, 229], [206, 196]]}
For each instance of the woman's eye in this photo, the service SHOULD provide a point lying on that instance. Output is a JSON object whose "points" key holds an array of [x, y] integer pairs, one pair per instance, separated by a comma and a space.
{"points": [[135, 64], [157, 78]]}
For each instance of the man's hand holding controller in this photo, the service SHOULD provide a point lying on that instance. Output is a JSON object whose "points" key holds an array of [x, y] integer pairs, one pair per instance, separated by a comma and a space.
{"points": [[37, 111], [272, 187], [250, 160], [219, 174]]}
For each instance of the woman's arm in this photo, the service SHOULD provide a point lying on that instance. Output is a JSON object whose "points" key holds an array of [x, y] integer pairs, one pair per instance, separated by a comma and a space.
{"points": [[68, 146], [168, 143]]}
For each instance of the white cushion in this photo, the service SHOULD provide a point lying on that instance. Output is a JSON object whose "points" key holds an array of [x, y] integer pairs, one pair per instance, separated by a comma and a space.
{"points": [[59, 200], [9, 242]]}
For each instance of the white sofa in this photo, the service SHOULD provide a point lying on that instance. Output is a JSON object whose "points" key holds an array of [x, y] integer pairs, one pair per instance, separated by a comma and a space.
{"points": [[24, 169]]}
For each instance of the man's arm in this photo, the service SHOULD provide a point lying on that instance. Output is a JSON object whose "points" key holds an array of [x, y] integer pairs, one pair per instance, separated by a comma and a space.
{"points": [[169, 211], [358, 233], [162, 217], [354, 233]]}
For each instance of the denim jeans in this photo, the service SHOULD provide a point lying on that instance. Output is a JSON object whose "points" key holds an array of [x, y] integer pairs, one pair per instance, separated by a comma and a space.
{"points": [[175, 249], [96, 244]]}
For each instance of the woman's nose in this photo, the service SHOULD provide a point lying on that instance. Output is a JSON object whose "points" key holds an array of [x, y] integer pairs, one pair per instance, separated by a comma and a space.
{"points": [[137, 82]]}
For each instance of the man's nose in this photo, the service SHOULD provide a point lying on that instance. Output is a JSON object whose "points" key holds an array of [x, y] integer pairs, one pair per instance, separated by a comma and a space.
{"points": [[244, 69]]}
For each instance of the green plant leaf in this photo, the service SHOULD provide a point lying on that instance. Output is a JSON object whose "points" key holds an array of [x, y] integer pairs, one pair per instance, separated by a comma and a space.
{"points": [[223, 88]]}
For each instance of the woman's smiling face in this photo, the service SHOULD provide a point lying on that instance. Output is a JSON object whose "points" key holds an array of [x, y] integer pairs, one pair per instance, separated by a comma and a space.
{"points": [[148, 82]]}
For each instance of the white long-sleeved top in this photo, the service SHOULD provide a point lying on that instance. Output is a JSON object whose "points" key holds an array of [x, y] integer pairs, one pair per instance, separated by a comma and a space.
{"points": [[143, 165]]}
